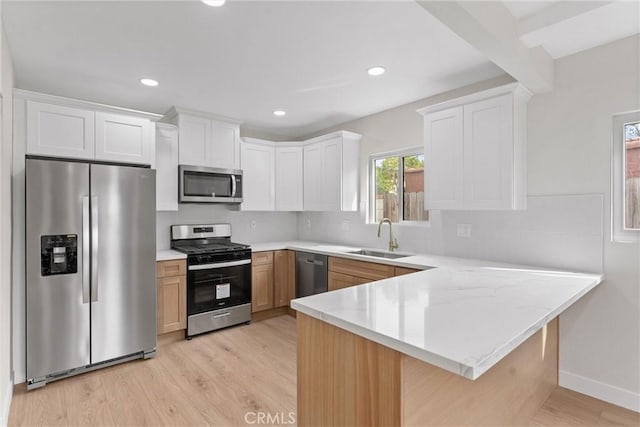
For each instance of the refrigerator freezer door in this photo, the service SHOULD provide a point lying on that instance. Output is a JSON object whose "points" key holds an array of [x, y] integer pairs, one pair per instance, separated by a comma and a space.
{"points": [[57, 318], [123, 311]]}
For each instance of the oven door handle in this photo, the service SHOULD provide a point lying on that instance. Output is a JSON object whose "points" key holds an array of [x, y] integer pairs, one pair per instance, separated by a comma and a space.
{"points": [[220, 265]]}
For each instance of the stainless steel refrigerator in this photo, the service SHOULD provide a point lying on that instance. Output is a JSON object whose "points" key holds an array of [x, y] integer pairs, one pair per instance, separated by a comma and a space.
{"points": [[90, 266]]}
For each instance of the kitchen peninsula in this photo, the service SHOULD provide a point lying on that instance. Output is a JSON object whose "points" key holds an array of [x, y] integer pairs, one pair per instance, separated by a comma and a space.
{"points": [[450, 345]]}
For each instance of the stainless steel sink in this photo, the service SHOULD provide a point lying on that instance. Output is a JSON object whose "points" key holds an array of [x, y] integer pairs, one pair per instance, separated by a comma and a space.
{"points": [[389, 255]]}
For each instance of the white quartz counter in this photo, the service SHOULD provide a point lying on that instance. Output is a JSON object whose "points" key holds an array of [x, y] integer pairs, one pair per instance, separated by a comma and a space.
{"points": [[169, 254], [461, 315]]}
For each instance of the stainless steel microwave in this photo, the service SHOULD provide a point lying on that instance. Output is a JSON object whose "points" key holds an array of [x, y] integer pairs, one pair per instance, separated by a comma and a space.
{"points": [[199, 184]]}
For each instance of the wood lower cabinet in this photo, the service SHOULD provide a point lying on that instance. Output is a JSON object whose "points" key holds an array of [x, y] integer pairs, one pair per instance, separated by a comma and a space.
{"points": [[172, 296], [261, 281], [344, 273], [284, 275]]}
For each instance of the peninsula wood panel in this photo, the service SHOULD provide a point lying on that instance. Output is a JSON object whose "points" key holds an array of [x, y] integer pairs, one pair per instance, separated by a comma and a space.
{"points": [[366, 270], [401, 271], [345, 380], [509, 393], [340, 281], [284, 278]]}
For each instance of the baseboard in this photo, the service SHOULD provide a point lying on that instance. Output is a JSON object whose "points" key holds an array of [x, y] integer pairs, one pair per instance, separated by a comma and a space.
{"points": [[6, 405], [612, 394]]}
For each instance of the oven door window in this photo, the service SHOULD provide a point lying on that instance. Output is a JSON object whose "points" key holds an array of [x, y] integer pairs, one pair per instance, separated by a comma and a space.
{"points": [[201, 184], [218, 288]]}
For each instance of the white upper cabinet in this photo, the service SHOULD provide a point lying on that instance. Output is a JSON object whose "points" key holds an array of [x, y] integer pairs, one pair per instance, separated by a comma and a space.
{"points": [[68, 128], [195, 141], [258, 175], [475, 151], [60, 131], [166, 167], [205, 139], [226, 144], [331, 172], [313, 167], [124, 139], [289, 177], [444, 141]]}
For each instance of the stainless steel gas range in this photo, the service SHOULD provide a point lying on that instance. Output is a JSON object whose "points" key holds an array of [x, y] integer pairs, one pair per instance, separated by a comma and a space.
{"points": [[218, 277]]}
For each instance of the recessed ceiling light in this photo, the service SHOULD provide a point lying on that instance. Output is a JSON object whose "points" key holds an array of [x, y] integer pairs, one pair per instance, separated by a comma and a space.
{"points": [[279, 113], [376, 71], [214, 3], [149, 82]]}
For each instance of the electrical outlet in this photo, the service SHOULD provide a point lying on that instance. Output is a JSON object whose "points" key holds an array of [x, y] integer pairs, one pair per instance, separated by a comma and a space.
{"points": [[463, 230], [253, 223], [308, 222], [345, 226]]}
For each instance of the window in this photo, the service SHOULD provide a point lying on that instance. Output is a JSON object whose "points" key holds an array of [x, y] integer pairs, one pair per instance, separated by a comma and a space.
{"points": [[397, 187], [626, 177]]}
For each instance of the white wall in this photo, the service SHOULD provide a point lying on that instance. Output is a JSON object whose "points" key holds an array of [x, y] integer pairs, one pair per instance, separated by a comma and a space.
{"points": [[572, 126], [568, 221], [269, 226], [6, 142]]}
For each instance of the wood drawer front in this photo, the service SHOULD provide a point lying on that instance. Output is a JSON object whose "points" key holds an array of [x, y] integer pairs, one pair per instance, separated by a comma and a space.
{"points": [[401, 271], [262, 258], [367, 270], [340, 281], [174, 267]]}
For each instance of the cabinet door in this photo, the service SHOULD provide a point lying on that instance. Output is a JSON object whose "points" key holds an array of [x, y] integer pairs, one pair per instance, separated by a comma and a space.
{"points": [[443, 159], [166, 167], [225, 145], [289, 179], [284, 277], [195, 141], [401, 271], [122, 139], [312, 171], [488, 153], [172, 306], [57, 131], [258, 192], [261, 287], [332, 175]]}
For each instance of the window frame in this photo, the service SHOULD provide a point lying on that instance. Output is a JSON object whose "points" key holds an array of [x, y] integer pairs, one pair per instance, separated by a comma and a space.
{"points": [[371, 215], [618, 163]]}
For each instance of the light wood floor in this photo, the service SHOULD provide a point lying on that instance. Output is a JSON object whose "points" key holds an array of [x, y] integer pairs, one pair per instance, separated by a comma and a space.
{"points": [[216, 379]]}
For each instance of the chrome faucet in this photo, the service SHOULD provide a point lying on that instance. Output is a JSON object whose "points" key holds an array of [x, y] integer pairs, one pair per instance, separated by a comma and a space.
{"points": [[393, 243]]}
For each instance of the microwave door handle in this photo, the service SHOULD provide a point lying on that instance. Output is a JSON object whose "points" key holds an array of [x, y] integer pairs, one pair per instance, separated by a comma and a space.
{"points": [[233, 186]]}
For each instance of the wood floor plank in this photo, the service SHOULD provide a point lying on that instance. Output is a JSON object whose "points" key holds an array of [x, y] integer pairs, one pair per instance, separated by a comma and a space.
{"points": [[215, 379]]}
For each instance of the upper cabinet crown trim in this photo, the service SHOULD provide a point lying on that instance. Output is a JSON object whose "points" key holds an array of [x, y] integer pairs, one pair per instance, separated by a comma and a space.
{"points": [[174, 111], [76, 103], [517, 89], [340, 133]]}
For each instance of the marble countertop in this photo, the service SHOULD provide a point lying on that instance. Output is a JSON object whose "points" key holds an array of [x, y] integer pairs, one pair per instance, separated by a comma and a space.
{"points": [[462, 315], [169, 254]]}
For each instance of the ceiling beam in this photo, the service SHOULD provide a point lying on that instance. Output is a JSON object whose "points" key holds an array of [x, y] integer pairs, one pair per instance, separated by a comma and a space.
{"points": [[493, 31]]}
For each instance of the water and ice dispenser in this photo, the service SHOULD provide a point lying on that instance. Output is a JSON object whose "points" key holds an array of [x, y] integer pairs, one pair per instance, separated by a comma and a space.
{"points": [[59, 254]]}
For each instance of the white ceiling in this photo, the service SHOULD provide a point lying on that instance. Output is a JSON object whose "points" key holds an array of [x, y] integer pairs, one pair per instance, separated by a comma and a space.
{"points": [[563, 28], [248, 58], [243, 60]]}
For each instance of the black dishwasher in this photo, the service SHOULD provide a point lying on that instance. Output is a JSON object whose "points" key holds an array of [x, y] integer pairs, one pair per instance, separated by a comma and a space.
{"points": [[311, 274]]}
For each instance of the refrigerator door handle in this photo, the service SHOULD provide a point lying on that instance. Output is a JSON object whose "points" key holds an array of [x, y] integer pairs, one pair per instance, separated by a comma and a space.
{"points": [[86, 243], [94, 248]]}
